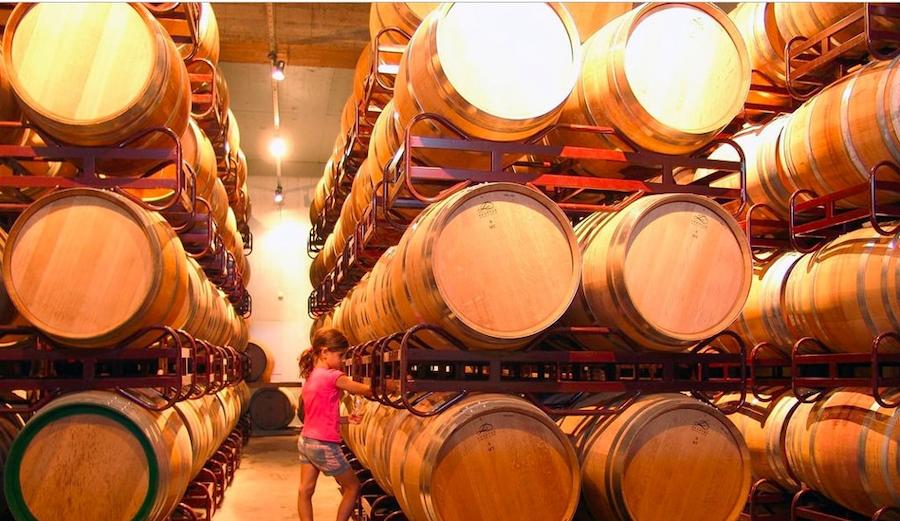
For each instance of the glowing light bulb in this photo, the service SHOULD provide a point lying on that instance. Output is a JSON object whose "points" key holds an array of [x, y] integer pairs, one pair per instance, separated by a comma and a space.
{"points": [[277, 147]]}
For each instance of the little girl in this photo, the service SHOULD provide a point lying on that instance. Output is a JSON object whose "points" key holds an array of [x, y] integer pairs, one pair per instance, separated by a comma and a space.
{"points": [[319, 443]]}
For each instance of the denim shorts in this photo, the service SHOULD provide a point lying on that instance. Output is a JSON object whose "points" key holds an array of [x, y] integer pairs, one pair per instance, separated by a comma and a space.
{"points": [[325, 456]]}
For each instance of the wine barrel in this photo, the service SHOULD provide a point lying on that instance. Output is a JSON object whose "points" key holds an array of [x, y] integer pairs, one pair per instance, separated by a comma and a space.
{"points": [[323, 189], [261, 363], [765, 47], [9, 111], [664, 457], [98, 440], [669, 77], [763, 317], [231, 406], [489, 456], [198, 154], [643, 263], [322, 322], [242, 391], [10, 427], [217, 419], [8, 310], [273, 408], [808, 18], [763, 425], [846, 293], [406, 16], [71, 253], [208, 38], [456, 67], [767, 179], [199, 417], [832, 141], [845, 446], [590, 17], [95, 74], [440, 273]]}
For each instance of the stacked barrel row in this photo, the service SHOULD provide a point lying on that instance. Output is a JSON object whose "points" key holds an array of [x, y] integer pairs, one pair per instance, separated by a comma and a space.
{"points": [[541, 75], [90, 454], [90, 268], [118, 97], [843, 445], [388, 17], [494, 456], [844, 294]]}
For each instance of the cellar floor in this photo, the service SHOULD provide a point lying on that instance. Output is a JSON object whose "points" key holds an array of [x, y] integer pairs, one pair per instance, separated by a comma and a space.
{"points": [[265, 487]]}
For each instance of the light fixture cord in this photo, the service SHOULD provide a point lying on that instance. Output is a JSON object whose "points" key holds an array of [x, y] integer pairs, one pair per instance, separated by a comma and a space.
{"points": [[276, 112]]}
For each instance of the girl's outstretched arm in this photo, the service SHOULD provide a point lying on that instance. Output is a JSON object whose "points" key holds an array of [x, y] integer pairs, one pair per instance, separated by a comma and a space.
{"points": [[353, 387]]}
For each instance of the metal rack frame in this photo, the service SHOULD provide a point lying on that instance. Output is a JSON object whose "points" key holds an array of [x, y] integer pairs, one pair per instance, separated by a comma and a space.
{"points": [[381, 226], [770, 502], [373, 504], [816, 219], [811, 369], [815, 62], [206, 492], [161, 357], [378, 82], [403, 368]]}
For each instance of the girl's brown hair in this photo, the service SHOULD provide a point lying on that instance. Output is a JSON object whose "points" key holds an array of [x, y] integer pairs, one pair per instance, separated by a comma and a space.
{"points": [[324, 340]]}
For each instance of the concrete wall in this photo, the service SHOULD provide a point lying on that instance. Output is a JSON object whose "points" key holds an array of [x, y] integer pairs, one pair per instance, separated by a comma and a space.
{"points": [[279, 282]]}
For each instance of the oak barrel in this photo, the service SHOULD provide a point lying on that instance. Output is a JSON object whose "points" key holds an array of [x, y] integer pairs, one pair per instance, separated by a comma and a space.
{"points": [[95, 74], [847, 292], [809, 18], [406, 16], [763, 425], [199, 418], [767, 178], [590, 17], [10, 427], [763, 317], [273, 408], [445, 270], [71, 253], [261, 363], [499, 72], [664, 457], [846, 446], [765, 47], [669, 77], [667, 271], [832, 141], [99, 441], [489, 456]]}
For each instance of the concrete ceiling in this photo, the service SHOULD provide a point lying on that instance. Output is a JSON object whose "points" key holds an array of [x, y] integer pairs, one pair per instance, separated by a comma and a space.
{"points": [[306, 34], [311, 100]]}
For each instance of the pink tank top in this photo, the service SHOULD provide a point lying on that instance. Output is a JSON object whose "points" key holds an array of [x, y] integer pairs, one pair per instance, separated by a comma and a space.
{"points": [[321, 408]]}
